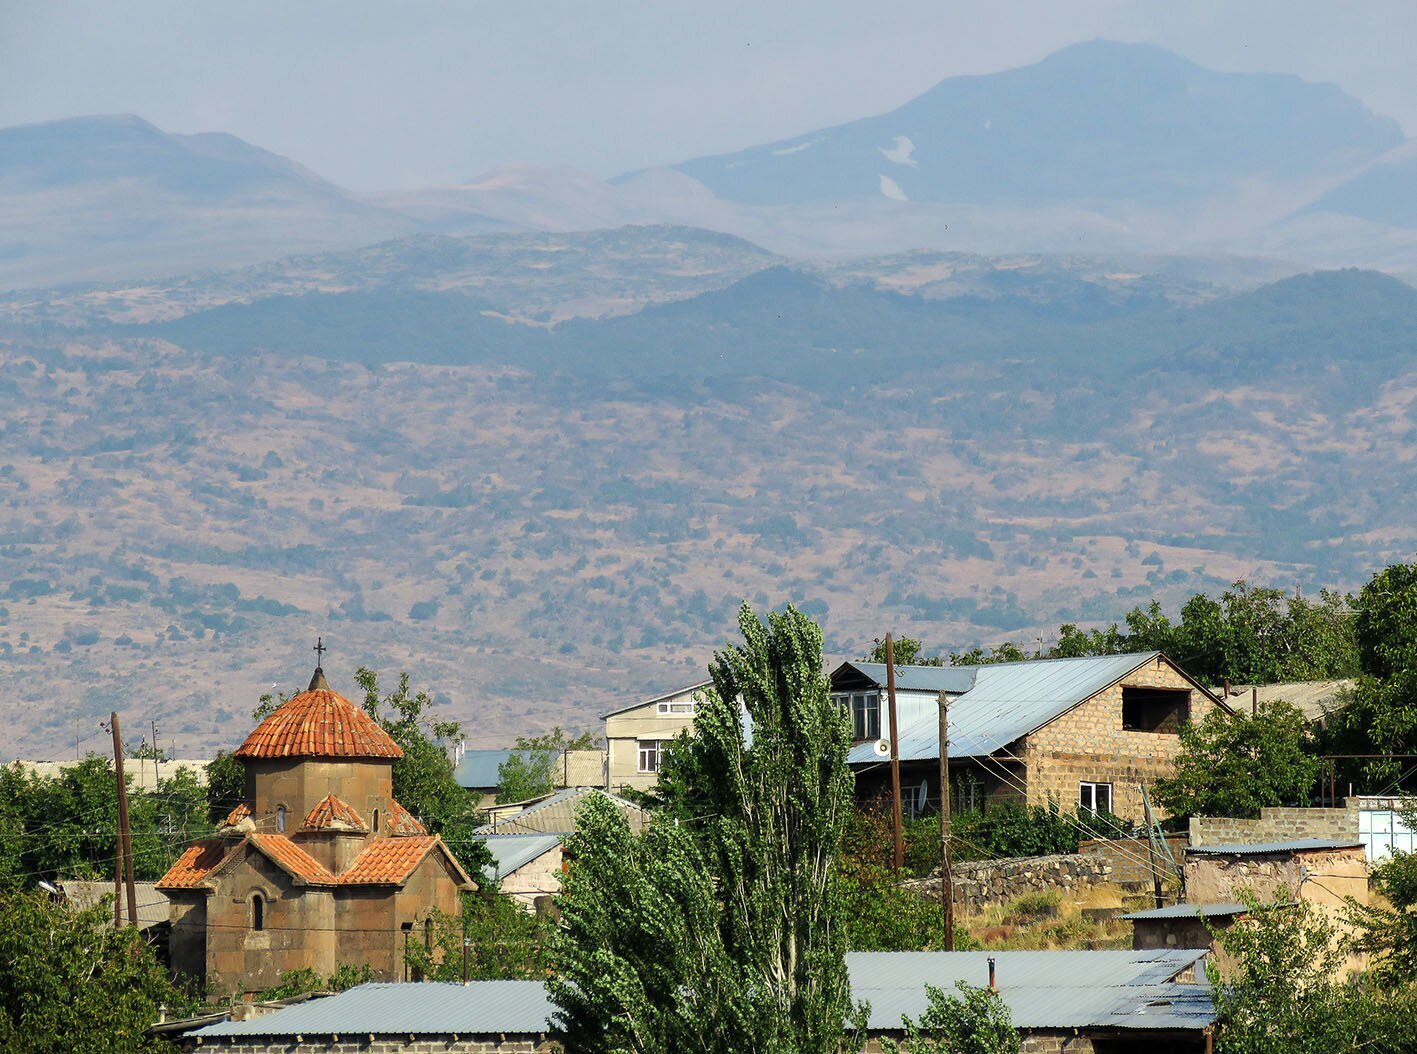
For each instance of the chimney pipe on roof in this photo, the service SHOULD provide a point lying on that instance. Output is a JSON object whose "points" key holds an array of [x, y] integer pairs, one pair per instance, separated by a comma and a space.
{"points": [[993, 987]]}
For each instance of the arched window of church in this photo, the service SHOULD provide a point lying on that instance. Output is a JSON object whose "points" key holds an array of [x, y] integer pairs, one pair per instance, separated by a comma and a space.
{"points": [[258, 912], [376, 821], [280, 818], [428, 934]]}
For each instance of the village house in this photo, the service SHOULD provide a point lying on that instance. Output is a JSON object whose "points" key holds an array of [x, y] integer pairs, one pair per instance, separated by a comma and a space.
{"points": [[1083, 732], [636, 735], [1061, 1002], [526, 867], [319, 866]]}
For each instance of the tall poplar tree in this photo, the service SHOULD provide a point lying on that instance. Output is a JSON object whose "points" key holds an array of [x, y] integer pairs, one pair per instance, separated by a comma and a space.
{"points": [[720, 928]]}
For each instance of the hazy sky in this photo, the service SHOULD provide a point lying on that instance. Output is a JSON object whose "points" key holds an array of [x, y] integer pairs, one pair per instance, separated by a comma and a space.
{"points": [[419, 92]]}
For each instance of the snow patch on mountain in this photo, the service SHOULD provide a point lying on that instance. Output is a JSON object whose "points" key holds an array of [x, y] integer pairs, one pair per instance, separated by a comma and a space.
{"points": [[900, 152], [891, 189]]}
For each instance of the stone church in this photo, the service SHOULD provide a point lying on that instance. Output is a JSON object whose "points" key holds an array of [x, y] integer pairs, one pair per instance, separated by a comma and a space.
{"points": [[319, 866]]}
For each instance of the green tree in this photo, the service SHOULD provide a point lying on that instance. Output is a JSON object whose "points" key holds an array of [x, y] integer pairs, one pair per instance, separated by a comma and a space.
{"points": [[226, 785], [1074, 642], [1385, 622], [719, 929], [1285, 993], [974, 1022], [531, 773], [503, 942], [1234, 765], [423, 777], [73, 982], [906, 653], [1387, 929], [1005, 652]]}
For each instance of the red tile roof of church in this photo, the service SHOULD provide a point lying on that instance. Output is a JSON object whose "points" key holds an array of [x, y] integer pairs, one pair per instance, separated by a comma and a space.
{"points": [[388, 860], [331, 814], [292, 858], [192, 867], [236, 815], [319, 723], [404, 822]]}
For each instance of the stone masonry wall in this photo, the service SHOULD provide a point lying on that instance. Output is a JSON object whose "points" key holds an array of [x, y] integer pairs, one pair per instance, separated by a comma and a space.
{"points": [[1131, 865], [1088, 744], [1277, 825], [979, 883]]}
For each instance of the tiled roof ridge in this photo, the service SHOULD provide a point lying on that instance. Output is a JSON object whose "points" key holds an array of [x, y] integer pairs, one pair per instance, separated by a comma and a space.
{"points": [[318, 722], [285, 854], [236, 815], [330, 812], [195, 863], [402, 822]]}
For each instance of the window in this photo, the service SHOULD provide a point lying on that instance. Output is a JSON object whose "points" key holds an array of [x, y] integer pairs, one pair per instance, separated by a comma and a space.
{"points": [[685, 707], [280, 818], [865, 711], [376, 821], [649, 755], [1161, 710], [258, 912], [1095, 797]]}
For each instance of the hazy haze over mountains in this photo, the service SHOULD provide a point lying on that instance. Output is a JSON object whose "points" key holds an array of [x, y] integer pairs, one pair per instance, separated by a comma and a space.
{"points": [[1102, 148], [1037, 345]]}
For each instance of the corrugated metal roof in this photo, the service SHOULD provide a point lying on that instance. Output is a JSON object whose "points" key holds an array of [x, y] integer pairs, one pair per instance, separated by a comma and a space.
{"points": [[1188, 911], [1265, 848], [426, 1008], [953, 679], [1078, 989], [700, 686], [556, 814], [1042, 989], [153, 906], [478, 768], [1311, 698], [1008, 700], [511, 851]]}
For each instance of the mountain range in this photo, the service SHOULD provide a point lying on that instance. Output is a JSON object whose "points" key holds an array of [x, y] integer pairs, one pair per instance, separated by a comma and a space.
{"points": [[1102, 148]]}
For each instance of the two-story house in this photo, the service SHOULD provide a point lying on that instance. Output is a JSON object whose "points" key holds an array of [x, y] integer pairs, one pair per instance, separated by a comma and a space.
{"points": [[1081, 731], [636, 735]]}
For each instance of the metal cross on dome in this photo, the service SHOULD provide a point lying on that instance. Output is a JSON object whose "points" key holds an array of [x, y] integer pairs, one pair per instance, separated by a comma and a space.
{"points": [[319, 651]]}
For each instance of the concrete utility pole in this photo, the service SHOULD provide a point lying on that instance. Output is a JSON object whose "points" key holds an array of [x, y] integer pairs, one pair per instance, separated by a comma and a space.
{"points": [[1151, 852], [947, 885], [896, 821], [125, 835]]}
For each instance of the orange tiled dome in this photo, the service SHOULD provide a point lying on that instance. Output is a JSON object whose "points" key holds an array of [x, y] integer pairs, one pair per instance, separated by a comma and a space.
{"points": [[319, 723]]}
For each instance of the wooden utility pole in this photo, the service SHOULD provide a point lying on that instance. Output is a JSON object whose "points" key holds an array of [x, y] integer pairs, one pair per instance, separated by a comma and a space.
{"points": [[897, 824], [125, 836], [947, 884], [1151, 852]]}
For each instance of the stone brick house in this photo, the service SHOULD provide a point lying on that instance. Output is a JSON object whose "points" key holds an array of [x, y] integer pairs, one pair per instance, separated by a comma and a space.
{"points": [[636, 735], [319, 866], [1080, 731]]}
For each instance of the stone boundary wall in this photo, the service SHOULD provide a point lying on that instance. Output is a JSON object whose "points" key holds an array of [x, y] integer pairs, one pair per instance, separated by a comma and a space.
{"points": [[1130, 863], [980, 883], [1277, 825]]}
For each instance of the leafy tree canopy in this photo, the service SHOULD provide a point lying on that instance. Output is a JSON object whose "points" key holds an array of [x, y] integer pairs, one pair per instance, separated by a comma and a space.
{"points": [[73, 982], [975, 1021], [531, 773], [907, 652], [719, 929], [1234, 765], [503, 942]]}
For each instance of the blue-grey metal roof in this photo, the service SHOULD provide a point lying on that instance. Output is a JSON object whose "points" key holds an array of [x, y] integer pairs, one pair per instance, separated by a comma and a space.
{"points": [[953, 679], [1008, 700], [511, 851], [478, 768], [1188, 911], [1042, 989], [1073, 989], [698, 687], [425, 1008], [1265, 848], [557, 809]]}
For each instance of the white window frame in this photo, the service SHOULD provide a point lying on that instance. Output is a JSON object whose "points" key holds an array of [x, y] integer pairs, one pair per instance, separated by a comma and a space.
{"points": [[649, 754], [1088, 796], [677, 708], [854, 703]]}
